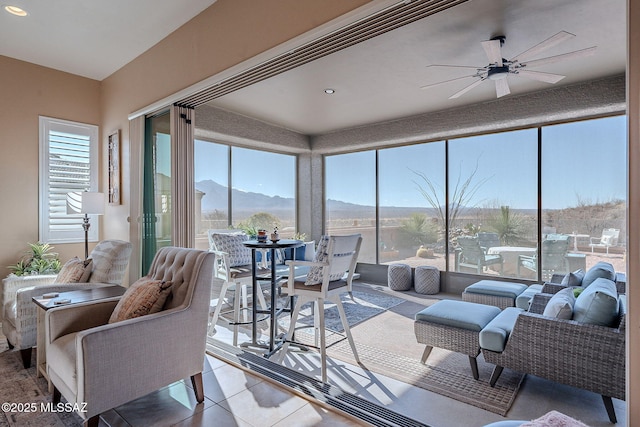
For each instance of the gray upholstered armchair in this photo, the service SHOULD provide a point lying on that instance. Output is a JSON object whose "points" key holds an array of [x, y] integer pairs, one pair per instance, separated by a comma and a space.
{"points": [[108, 364], [110, 259]]}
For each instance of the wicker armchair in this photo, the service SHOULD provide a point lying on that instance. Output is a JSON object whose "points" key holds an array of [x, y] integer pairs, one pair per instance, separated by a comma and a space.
{"points": [[585, 356], [19, 321]]}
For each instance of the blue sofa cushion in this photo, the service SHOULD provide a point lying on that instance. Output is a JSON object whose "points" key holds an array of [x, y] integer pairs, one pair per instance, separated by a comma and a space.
{"points": [[574, 278], [494, 336], [523, 300]]}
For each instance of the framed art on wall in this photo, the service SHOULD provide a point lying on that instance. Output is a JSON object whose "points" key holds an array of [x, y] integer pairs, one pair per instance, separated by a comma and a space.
{"points": [[114, 168]]}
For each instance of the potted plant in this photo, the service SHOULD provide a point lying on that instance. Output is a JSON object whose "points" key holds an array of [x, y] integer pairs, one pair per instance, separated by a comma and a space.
{"points": [[38, 260]]}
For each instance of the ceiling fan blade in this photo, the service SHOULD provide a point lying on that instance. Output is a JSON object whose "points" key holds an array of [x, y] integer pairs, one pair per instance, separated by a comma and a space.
{"points": [[446, 81], [539, 76], [467, 88], [492, 49], [455, 66], [544, 45], [502, 88], [551, 59]]}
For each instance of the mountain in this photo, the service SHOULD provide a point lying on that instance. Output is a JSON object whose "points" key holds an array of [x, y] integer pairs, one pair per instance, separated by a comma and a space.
{"points": [[215, 198]]}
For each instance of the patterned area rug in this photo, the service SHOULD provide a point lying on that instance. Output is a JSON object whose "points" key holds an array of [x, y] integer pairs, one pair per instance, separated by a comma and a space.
{"points": [[387, 345], [19, 387]]}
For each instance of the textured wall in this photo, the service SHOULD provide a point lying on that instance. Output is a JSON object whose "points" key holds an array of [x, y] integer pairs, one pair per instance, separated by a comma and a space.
{"points": [[592, 99]]}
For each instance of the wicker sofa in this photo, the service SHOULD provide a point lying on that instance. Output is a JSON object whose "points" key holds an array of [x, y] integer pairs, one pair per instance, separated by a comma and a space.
{"points": [[586, 356]]}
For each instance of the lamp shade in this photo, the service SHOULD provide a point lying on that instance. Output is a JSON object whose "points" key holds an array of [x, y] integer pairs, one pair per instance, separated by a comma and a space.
{"points": [[92, 203]]}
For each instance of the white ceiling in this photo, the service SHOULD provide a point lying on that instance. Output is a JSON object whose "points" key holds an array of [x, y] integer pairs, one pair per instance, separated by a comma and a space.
{"points": [[90, 38], [380, 79]]}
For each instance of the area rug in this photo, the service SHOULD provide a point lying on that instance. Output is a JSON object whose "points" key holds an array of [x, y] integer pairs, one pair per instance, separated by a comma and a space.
{"points": [[387, 345], [19, 387], [362, 307]]}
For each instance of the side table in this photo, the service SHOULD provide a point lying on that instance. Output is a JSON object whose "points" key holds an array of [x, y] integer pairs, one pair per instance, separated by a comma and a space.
{"points": [[61, 299]]}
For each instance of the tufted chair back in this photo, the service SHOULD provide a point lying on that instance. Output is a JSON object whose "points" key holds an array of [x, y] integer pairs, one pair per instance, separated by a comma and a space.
{"points": [[181, 267]]}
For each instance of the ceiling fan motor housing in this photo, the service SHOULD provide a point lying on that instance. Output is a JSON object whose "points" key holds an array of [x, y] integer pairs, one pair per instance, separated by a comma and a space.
{"points": [[497, 73]]}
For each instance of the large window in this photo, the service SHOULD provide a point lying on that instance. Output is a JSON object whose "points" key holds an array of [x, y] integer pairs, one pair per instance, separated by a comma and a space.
{"points": [[350, 192], [584, 189], [68, 163], [243, 189], [505, 210], [411, 192]]}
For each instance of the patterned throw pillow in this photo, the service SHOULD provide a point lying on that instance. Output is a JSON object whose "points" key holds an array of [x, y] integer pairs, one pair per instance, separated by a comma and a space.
{"points": [[145, 296], [231, 243], [75, 271], [314, 277]]}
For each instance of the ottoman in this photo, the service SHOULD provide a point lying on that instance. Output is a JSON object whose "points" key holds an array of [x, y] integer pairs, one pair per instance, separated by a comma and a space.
{"points": [[493, 292], [455, 326], [399, 277], [427, 279]]}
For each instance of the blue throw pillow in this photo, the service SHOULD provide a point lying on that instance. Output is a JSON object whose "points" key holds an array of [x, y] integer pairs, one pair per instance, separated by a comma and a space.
{"points": [[597, 304], [288, 253], [600, 269]]}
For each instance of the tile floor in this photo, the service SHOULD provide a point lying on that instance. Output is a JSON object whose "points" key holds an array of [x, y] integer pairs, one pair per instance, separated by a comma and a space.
{"points": [[233, 397]]}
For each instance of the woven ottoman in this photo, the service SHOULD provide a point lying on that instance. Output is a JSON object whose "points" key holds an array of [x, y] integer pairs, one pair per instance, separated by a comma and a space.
{"points": [[399, 277], [494, 292], [455, 326], [426, 279]]}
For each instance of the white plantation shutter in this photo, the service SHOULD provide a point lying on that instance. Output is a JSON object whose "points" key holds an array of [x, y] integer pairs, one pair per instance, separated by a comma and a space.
{"points": [[68, 162]]}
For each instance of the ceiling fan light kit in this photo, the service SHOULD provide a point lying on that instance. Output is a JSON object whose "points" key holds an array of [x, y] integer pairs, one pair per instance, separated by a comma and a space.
{"points": [[499, 68]]}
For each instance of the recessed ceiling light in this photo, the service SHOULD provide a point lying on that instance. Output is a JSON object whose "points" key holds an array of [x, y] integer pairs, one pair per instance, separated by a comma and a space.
{"points": [[329, 91], [15, 10]]}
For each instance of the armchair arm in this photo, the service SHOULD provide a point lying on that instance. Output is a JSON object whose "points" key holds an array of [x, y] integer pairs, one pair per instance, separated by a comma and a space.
{"points": [[11, 284], [552, 288], [68, 319], [539, 302], [161, 348]]}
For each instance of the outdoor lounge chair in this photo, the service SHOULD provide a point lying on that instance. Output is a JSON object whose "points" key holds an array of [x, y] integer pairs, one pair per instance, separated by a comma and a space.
{"points": [[553, 258], [472, 255], [608, 239]]}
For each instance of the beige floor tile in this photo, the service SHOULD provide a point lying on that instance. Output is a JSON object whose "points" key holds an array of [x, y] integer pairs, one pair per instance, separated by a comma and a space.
{"points": [[213, 416], [226, 381], [317, 416], [264, 404]]}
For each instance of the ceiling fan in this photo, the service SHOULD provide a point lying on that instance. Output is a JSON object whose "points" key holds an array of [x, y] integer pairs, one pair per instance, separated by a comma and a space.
{"points": [[499, 68]]}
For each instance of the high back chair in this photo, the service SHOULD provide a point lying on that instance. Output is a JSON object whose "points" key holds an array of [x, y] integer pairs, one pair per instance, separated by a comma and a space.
{"points": [[325, 281], [110, 259], [97, 365], [233, 267]]}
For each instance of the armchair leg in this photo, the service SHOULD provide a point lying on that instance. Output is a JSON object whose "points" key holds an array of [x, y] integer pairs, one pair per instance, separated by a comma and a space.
{"points": [[26, 357], [474, 367], [495, 375], [198, 388], [92, 422], [9, 344], [56, 396], [608, 404], [425, 354]]}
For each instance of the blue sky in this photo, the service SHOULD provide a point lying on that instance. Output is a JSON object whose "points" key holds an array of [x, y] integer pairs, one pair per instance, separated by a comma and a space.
{"points": [[582, 162]]}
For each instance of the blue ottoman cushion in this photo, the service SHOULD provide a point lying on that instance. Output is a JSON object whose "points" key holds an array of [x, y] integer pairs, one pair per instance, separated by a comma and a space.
{"points": [[459, 314], [496, 288], [522, 300]]}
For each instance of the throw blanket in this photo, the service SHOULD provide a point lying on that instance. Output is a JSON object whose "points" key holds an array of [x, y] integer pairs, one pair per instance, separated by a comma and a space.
{"points": [[554, 419]]}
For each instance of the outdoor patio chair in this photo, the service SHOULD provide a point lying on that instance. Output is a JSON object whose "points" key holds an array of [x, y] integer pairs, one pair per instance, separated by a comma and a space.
{"points": [[488, 240], [233, 267], [608, 239], [98, 363], [472, 255], [110, 259], [335, 256], [553, 259]]}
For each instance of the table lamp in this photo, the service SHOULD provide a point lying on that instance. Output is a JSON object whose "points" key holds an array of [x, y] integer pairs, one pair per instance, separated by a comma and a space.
{"points": [[88, 203]]}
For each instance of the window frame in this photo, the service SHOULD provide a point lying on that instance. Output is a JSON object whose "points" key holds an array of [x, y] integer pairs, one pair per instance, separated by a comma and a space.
{"points": [[73, 231]]}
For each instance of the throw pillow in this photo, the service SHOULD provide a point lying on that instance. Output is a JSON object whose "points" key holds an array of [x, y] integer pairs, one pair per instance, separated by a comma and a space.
{"points": [[573, 279], [231, 243], [314, 277], [309, 250], [554, 418], [600, 269], [560, 305], [74, 271], [145, 296], [597, 304]]}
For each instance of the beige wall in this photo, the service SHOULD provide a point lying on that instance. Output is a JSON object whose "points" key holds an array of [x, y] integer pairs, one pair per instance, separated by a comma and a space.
{"points": [[29, 91]]}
